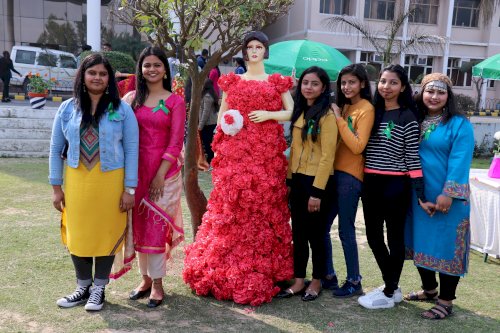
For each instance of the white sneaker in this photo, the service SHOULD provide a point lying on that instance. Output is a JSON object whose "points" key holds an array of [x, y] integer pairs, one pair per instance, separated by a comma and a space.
{"points": [[96, 299], [398, 294], [376, 299]]}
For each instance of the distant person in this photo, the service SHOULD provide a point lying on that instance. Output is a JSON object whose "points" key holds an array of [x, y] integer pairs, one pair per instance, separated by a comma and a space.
{"points": [[6, 66], [208, 117], [214, 75], [202, 59], [85, 48], [106, 47], [240, 66]]}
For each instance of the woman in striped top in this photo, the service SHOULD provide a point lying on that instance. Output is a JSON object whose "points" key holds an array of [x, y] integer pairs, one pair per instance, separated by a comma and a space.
{"points": [[392, 168]]}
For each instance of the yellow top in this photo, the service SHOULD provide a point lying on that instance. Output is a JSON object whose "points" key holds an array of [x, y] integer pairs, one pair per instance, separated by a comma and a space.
{"points": [[314, 158], [349, 157]]}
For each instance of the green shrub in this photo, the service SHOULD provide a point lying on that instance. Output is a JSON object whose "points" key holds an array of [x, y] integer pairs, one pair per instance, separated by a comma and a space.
{"points": [[465, 103], [120, 61]]}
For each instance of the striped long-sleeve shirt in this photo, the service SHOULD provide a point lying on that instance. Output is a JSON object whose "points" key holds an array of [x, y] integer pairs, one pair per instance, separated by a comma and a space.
{"points": [[393, 148]]}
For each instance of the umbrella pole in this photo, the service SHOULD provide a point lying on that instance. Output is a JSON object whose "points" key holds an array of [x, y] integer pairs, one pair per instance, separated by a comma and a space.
{"points": [[483, 95]]}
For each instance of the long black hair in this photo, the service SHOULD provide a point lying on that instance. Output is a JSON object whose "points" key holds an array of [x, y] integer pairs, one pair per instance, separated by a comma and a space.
{"points": [[358, 71], [320, 107], [208, 88], [81, 95], [241, 63], [450, 109], [141, 88], [405, 98]]}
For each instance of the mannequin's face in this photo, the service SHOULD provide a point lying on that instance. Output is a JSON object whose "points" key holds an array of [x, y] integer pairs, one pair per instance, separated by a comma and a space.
{"points": [[255, 51]]}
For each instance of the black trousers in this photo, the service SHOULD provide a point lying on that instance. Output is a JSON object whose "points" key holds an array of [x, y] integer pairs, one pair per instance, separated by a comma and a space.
{"points": [[207, 136], [83, 269], [308, 229], [386, 199], [6, 82], [448, 283]]}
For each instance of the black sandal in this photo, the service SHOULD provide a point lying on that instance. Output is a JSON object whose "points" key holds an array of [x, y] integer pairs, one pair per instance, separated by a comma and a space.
{"points": [[421, 296], [438, 311]]}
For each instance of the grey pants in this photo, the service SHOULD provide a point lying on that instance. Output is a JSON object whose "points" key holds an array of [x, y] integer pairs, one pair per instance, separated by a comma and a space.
{"points": [[83, 269]]}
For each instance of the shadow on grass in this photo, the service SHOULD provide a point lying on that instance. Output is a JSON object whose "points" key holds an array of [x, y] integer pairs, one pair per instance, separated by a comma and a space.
{"points": [[189, 313], [185, 313]]}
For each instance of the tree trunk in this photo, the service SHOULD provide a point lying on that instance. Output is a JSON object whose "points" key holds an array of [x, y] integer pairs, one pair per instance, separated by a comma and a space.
{"points": [[196, 200]]}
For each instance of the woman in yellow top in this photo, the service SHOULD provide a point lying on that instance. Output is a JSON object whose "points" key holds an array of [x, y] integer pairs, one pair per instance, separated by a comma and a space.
{"points": [[355, 116], [310, 178]]}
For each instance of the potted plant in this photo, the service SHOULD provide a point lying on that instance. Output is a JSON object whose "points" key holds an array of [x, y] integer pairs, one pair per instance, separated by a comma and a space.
{"points": [[38, 89], [494, 171]]}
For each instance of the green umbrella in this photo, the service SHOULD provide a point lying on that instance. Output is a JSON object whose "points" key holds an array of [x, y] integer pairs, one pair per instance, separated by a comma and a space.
{"points": [[488, 68], [302, 54]]}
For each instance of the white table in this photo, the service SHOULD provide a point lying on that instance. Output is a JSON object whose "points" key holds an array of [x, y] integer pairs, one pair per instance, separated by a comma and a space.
{"points": [[485, 213]]}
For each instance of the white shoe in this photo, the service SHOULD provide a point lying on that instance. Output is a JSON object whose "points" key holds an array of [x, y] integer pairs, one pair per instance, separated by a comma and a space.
{"points": [[398, 294], [376, 299], [96, 299]]}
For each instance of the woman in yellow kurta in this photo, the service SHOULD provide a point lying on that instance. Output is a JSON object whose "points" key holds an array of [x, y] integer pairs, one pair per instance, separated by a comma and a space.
{"points": [[101, 136]]}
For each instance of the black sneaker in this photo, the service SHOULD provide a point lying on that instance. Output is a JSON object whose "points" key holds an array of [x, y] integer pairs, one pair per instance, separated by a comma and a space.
{"points": [[79, 296], [331, 283], [96, 299], [348, 289]]}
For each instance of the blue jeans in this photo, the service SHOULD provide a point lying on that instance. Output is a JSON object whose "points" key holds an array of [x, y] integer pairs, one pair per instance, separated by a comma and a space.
{"points": [[347, 190]]}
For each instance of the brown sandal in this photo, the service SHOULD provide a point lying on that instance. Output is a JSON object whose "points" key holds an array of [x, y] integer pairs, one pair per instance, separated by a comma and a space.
{"points": [[438, 311], [421, 296]]}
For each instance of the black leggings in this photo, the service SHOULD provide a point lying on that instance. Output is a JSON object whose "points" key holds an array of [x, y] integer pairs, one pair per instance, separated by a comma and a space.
{"points": [[207, 136], [83, 269], [6, 82], [448, 286], [386, 199], [309, 228]]}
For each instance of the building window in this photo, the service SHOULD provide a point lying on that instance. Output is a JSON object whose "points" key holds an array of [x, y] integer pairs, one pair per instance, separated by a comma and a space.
{"points": [[466, 13], [460, 71], [424, 11], [373, 64], [380, 9], [417, 67], [337, 7]]}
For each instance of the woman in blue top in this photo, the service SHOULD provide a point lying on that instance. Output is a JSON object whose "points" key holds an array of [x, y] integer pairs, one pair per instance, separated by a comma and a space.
{"points": [[240, 68], [102, 137], [438, 238]]}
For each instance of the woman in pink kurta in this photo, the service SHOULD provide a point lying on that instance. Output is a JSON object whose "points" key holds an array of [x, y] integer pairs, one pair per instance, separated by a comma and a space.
{"points": [[156, 218]]}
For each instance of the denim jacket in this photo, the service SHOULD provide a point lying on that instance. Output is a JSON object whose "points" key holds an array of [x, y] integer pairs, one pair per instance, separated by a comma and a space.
{"points": [[118, 142]]}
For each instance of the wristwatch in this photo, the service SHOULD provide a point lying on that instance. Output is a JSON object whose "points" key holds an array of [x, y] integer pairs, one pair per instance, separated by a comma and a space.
{"points": [[130, 190]]}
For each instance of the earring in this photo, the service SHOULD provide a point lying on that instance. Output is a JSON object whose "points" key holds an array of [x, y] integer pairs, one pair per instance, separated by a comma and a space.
{"points": [[84, 90], [107, 90], [165, 76]]}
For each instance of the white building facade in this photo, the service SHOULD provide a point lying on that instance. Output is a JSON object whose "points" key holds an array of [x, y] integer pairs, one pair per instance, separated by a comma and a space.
{"points": [[468, 38]]}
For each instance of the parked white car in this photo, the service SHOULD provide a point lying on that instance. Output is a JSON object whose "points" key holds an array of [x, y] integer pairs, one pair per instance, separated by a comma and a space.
{"points": [[50, 64]]}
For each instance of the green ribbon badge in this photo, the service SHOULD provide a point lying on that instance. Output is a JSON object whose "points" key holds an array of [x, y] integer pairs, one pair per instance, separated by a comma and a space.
{"points": [[388, 129], [161, 106], [112, 114], [428, 131], [310, 125], [349, 124]]}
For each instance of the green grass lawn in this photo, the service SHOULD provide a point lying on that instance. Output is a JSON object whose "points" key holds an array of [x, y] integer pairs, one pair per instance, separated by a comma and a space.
{"points": [[37, 270], [481, 163]]}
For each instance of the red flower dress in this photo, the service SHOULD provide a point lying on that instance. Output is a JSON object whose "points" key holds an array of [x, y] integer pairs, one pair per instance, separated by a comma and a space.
{"points": [[244, 244]]}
